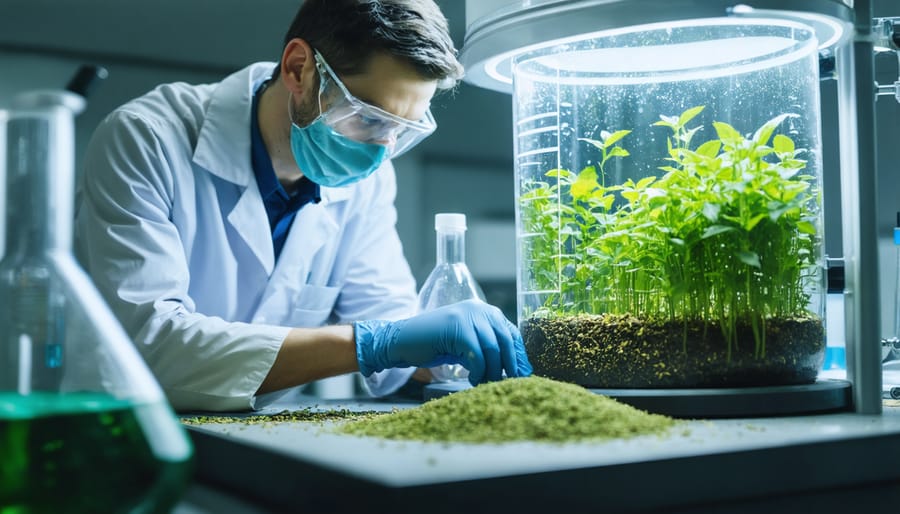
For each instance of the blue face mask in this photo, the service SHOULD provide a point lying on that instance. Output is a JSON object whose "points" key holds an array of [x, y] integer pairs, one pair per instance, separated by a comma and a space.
{"points": [[330, 159]]}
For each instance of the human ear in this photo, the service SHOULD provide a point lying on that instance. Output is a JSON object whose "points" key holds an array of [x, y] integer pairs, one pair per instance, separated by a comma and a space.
{"points": [[298, 66]]}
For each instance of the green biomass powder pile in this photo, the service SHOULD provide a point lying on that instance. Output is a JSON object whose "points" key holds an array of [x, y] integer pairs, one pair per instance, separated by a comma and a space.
{"points": [[310, 415], [519, 409]]}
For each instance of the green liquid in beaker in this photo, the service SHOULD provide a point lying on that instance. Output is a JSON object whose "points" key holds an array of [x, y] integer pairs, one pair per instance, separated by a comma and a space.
{"points": [[89, 452]]}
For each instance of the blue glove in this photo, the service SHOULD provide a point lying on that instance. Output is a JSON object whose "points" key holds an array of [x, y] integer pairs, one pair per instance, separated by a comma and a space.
{"points": [[471, 333]]}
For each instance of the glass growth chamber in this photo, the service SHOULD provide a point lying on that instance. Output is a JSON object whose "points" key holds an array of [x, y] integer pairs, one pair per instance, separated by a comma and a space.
{"points": [[668, 188]]}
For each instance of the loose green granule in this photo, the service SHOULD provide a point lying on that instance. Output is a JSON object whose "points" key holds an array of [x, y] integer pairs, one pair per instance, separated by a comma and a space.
{"points": [[518, 409], [307, 414]]}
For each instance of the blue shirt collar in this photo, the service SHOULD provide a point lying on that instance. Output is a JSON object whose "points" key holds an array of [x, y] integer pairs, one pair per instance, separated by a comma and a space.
{"points": [[277, 201]]}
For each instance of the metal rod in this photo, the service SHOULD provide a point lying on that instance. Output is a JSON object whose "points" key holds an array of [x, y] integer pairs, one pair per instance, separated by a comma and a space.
{"points": [[886, 90], [860, 223]]}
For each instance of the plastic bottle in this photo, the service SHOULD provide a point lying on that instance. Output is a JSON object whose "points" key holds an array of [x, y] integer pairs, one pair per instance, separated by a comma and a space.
{"points": [[450, 281], [84, 426]]}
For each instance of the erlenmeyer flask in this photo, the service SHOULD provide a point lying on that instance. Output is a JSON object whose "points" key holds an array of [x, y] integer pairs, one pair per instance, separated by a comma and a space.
{"points": [[84, 427], [450, 281]]}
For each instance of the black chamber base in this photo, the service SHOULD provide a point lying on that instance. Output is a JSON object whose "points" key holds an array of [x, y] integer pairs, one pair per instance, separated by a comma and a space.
{"points": [[826, 395]]}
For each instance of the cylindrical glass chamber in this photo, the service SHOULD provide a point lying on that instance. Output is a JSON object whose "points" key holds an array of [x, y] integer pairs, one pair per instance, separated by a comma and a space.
{"points": [[668, 205]]}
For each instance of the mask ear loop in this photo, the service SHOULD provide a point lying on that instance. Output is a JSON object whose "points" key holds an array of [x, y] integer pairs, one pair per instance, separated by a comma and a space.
{"points": [[290, 109], [318, 100]]}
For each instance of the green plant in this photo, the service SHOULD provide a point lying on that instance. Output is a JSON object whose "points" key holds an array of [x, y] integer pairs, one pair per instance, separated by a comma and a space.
{"points": [[726, 236]]}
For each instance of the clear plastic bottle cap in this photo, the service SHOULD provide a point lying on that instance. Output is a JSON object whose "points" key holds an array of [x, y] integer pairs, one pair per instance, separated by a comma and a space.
{"points": [[449, 221]]}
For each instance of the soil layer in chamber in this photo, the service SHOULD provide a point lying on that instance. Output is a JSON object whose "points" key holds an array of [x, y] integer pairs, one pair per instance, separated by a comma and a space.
{"points": [[622, 351]]}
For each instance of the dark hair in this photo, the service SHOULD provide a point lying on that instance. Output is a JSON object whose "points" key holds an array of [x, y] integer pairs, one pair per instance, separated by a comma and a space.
{"points": [[348, 32]]}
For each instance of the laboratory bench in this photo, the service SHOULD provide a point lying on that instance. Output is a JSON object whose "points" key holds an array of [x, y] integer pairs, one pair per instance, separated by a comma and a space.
{"points": [[835, 462]]}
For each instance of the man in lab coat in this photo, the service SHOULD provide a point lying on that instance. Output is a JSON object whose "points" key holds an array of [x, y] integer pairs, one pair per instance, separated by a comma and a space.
{"points": [[244, 233]]}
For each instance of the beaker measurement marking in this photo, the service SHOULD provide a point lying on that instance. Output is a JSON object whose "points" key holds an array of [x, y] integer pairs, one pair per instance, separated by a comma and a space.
{"points": [[537, 117], [530, 200], [531, 163], [550, 128], [540, 291], [539, 151]]}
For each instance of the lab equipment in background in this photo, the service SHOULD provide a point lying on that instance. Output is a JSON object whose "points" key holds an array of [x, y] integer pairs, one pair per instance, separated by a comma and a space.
{"points": [[890, 347], [887, 39], [897, 285], [84, 427], [450, 281], [835, 363]]}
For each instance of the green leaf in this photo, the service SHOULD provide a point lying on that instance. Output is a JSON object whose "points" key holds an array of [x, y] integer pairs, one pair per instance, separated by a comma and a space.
{"points": [[776, 210], [763, 134], [806, 227], [788, 173], [752, 222], [727, 133], [667, 121], [714, 230], [749, 258], [606, 201], [558, 173], [598, 144], [630, 195], [783, 144], [711, 211], [644, 182], [615, 137], [617, 151], [688, 135], [585, 184], [710, 148], [689, 114]]}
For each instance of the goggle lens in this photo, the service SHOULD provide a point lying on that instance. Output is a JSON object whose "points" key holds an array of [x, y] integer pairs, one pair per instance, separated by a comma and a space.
{"points": [[363, 122]]}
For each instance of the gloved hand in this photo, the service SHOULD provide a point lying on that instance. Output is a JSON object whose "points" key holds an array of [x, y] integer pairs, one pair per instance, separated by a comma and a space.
{"points": [[472, 333]]}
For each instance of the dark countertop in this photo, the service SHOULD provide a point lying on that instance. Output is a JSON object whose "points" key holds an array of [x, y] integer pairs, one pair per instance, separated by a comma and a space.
{"points": [[830, 463]]}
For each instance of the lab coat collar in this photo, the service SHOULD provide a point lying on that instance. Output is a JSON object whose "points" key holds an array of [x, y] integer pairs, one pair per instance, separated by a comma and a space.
{"points": [[223, 149], [223, 146], [330, 195]]}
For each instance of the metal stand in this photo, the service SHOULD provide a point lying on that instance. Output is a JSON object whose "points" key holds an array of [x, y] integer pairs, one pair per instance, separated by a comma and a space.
{"points": [[856, 97]]}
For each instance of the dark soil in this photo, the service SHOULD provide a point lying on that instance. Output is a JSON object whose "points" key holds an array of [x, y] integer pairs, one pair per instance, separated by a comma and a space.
{"points": [[621, 351]]}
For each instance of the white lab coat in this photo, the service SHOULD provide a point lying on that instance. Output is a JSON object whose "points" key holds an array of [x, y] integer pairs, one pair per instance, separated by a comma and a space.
{"points": [[171, 227]]}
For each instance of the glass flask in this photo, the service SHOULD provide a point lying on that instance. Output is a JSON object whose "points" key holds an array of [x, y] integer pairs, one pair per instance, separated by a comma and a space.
{"points": [[450, 281], [84, 427], [668, 205]]}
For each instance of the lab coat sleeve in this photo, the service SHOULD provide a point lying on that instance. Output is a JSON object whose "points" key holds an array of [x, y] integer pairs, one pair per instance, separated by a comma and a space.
{"points": [[378, 282], [132, 251]]}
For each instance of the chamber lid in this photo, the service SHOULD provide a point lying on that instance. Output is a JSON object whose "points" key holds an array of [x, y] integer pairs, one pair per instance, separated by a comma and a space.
{"points": [[683, 50], [496, 37]]}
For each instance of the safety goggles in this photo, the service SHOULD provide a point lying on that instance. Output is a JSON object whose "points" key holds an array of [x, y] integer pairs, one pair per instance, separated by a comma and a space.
{"points": [[363, 122]]}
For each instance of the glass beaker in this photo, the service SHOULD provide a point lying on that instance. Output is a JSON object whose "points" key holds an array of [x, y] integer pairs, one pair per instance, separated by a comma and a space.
{"points": [[84, 427], [669, 217]]}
